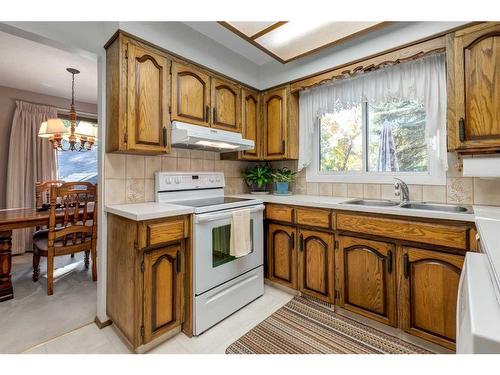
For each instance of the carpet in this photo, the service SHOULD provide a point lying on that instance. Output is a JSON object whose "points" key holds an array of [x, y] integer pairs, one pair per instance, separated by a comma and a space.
{"points": [[33, 317], [304, 326]]}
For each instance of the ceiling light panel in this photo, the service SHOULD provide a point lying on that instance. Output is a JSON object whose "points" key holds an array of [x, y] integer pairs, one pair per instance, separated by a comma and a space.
{"points": [[251, 28], [296, 38]]}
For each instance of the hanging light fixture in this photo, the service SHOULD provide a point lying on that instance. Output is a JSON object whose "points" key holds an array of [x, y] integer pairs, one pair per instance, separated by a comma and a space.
{"points": [[79, 135]]}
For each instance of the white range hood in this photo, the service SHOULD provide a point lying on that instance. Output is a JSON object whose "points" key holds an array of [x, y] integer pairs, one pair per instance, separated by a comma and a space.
{"points": [[200, 137]]}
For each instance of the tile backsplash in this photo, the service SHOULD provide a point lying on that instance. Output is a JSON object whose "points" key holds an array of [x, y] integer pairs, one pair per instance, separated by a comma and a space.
{"points": [[130, 178], [458, 189]]}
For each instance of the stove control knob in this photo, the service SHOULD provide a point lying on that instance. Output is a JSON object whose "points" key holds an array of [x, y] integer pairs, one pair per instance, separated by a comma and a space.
{"points": [[168, 181], [218, 179], [211, 179], [177, 180]]}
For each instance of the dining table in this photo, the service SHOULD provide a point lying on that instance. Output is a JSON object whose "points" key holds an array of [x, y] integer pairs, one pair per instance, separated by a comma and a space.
{"points": [[19, 218]]}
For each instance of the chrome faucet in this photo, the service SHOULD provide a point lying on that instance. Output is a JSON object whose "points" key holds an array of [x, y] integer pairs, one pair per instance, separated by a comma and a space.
{"points": [[401, 190]]}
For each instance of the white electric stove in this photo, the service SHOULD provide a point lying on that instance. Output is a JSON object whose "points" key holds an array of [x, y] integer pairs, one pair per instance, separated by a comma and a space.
{"points": [[222, 283]]}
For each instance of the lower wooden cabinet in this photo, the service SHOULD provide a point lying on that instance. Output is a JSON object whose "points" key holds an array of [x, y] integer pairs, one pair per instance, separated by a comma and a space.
{"points": [[316, 264], [428, 294], [282, 255], [162, 290], [366, 276]]}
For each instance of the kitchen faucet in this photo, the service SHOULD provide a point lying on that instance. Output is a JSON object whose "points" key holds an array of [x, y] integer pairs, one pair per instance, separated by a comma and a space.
{"points": [[401, 190]]}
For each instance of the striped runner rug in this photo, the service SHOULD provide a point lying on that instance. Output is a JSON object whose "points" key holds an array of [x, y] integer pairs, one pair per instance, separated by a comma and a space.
{"points": [[304, 326]]}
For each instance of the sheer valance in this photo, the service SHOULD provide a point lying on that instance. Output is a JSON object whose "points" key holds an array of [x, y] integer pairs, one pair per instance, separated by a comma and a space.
{"points": [[423, 79]]}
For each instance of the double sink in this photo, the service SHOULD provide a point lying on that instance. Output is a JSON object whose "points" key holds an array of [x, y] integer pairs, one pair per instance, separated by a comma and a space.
{"points": [[412, 205]]}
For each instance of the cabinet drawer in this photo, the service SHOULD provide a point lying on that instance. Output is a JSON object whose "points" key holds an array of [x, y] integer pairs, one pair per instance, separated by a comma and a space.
{"points": [[456, 236], [167, 231], [314, 217], [279, 213]]}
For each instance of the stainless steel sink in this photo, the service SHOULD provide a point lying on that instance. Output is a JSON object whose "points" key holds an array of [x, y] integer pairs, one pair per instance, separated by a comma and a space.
{"points": [[373, 203], [437, 207]]}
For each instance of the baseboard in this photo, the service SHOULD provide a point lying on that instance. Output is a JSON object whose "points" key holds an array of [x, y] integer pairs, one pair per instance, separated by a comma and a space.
{"points": [[100, 324]]}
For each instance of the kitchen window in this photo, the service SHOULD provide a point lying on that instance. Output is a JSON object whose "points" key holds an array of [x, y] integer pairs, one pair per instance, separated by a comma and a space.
{"points": [[377, 126]]}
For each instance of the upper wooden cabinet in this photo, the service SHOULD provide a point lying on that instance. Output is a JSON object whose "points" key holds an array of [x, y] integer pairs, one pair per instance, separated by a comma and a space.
{"points": [[190, 95], [428, 294], [280, 114], [251, 123], [473, 56], [138, 89], [366, 276], [226, 105]]}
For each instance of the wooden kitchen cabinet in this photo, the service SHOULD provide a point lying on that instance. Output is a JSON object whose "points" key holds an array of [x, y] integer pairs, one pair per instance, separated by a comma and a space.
{"points": [[280, 114], [138, 93], [226, 105], [428, 288], [282, 255], [251, 124], [147, 283], [315, 275], [163, 291], [474, 88], [366, 276], [190, 95]]}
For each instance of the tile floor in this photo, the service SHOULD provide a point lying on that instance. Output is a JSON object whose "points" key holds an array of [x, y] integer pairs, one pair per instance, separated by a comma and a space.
{"points": [[91, 340]]}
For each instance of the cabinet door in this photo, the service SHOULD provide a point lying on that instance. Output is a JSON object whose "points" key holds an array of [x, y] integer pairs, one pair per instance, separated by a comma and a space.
{"points": [[282, 257], [316, 264], [147, 106], [251, 124], [226, 105], [190, 95], [162, 293], [366, 278], [275, 124], [477, 87], [428, 294]]}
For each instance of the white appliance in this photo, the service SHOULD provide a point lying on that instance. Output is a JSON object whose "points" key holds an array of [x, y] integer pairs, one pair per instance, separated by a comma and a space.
{"points": [[202, 137], [222, 283], [478, 307]]}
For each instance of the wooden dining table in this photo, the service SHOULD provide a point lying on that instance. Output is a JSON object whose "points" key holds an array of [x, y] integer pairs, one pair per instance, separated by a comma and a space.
{"points": [[19, 218]]}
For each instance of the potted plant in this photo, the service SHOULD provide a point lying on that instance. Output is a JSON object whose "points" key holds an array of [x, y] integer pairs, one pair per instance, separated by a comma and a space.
{"points": [[283, 177], [258, 178]]}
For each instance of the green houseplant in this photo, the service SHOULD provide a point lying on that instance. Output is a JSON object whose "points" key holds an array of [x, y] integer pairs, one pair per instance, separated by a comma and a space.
{"points": [[283, 177], [258, 178]]}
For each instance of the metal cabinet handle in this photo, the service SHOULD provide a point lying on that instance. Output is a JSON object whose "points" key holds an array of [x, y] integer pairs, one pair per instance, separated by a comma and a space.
{"points": [[406, 266], [389, 261], [215, 115], [164, 136], [301, 243], [178, 262], [207, 113], [461, 129], [292, 240]]}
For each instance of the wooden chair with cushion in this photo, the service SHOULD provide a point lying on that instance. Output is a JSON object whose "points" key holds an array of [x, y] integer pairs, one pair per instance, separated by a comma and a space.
{"points": [[73, 206]]}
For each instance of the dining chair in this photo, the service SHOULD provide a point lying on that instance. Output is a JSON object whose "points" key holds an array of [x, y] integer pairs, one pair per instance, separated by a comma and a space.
{"points": [[42, 192], [73, 206]]}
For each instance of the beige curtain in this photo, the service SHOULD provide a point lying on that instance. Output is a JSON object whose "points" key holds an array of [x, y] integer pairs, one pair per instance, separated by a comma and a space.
{"points": [[31, 159]]}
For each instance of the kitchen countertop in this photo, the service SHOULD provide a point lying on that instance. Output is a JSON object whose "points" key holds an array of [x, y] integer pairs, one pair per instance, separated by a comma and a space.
{"points": [[337, 203], [148, 210]]}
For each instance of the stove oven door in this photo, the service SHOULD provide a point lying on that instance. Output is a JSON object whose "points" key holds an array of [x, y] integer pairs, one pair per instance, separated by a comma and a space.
{"points": [[213, 264]]}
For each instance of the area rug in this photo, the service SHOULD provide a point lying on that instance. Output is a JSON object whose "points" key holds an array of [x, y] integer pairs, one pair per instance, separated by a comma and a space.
{"points": [[304, 326]]}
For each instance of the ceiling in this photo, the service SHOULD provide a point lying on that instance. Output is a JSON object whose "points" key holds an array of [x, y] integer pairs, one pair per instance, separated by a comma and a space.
{"points": [[283, 41], [31, 66]]}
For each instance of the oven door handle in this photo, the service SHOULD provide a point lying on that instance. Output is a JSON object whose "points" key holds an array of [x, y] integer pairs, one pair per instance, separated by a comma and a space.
{"points": [[226, 214]]}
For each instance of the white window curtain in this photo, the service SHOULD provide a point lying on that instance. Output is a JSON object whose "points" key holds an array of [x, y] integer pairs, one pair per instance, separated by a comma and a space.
{"points": [[423, 79]]}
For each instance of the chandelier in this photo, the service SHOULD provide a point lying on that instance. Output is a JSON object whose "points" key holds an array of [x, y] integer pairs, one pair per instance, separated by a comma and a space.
{"points": [[78, 135]]}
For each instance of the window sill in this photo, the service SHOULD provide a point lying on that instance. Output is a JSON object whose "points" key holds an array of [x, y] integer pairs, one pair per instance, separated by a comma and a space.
{"points": [[385, 178]]}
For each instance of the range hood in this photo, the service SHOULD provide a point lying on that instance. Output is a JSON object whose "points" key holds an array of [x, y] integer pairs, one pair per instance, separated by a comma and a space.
{"points": [[200, 137]]}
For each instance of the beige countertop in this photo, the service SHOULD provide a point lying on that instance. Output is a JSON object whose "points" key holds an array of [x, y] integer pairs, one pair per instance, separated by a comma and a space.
{"points": [[148, 210]]}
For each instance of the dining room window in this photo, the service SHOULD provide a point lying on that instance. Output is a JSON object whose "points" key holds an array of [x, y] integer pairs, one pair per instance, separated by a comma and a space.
{"points": [[377, 126], [77, 165]]}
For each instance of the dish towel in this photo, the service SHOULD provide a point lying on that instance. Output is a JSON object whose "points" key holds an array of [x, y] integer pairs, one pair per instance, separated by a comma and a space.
{"points": [[240, 244]]}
